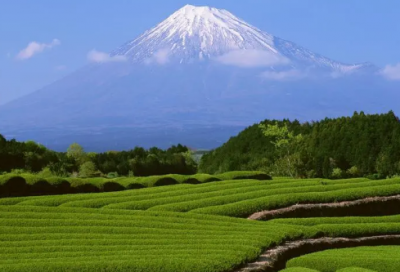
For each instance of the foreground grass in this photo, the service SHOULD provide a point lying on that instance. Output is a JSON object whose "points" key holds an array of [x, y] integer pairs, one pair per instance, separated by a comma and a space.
{"points": [[348, 269], [380, 258], [176, 228], [79, 239]]}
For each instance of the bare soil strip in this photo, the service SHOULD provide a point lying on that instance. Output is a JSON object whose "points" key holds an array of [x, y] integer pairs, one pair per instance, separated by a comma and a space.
{"points": [[371, 206], [275, 259]]}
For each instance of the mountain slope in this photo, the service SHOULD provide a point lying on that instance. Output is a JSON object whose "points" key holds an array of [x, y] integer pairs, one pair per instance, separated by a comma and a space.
{"points": [[197, 33], [201, 67]]}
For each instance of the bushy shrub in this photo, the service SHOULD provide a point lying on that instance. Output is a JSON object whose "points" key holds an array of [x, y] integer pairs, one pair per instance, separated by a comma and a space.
{"points": [[376, 176], [18, 171], [353, 172], [87, 169], [112, 175], [45, 173], [337, 173]]}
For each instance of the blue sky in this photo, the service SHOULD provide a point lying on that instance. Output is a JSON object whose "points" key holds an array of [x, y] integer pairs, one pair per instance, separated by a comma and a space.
{"points": [[349, 31]]}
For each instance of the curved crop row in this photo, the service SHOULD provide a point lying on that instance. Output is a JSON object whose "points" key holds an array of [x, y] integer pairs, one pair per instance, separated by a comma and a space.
{"points": [[347, 269], [82, 232], [242, 207], [380, 258]]}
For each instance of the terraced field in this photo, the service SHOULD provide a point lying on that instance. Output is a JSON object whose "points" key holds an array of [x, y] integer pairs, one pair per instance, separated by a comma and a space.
{"points": [[187, 227], [379, 258]]}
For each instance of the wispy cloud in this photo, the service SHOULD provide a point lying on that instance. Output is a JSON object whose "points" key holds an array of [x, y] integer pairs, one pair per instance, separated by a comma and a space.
{"points": [[34, 48], [162, 56], [101, 57], [252, 58], [283, 75], [159, 57], [391, 72]]}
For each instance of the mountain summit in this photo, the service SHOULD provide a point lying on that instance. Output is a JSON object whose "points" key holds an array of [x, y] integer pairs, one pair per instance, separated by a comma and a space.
{"points": [[198, 33], [200, 70]]}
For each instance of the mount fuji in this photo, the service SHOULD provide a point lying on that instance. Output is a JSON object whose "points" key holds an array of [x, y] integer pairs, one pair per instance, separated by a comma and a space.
{"points": [[196, 78]]}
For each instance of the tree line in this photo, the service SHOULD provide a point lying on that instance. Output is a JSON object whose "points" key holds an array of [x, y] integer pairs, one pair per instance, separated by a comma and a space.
{"points": [[356, 146], [33, 157]]}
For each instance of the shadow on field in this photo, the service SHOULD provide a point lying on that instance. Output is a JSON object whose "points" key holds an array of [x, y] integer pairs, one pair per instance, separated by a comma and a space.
{"points": [[212, 179], [42, 187], [15, 186], [191, 181], [112, 187], [135, 186], [165, 181], [86, 188], [255, 176]]}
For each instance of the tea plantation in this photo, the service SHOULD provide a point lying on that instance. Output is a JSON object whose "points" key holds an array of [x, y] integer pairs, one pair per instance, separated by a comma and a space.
{"points": [[192, 227]]}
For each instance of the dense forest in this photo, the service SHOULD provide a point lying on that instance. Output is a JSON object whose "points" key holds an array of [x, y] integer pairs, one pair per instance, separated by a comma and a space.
{"points": [[361, 145], [32, 157]]}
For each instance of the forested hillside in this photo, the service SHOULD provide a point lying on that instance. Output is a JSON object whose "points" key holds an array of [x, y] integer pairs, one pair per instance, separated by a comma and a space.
{"points": [[331, 148], [32, 157]]}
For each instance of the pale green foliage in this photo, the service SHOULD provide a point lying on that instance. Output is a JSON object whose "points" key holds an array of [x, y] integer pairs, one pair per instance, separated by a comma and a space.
{"points": [[281, 135], [287, 165], [112, 175], [383, 164], [353, 171], [337, 173], [87, 169], [285, 142], [91, 155], [189, 160], [18, 171], [46, 173], [77, 152]]}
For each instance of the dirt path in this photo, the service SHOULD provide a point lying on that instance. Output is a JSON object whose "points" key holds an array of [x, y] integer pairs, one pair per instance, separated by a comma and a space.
{"points": [[274, 259], [367, 206]]}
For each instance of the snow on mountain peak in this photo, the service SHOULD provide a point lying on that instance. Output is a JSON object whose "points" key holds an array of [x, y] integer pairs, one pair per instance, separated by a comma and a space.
{"points": [[197, 33]]}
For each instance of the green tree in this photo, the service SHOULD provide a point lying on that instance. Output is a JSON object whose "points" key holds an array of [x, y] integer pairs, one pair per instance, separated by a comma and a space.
{"points": [[87, 169], [337, 173], [383, 166], [285, 142], [77, 152], [353, 172]]}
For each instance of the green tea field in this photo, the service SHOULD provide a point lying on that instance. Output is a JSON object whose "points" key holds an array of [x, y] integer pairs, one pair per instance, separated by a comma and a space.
{"points": [[211, 227]]}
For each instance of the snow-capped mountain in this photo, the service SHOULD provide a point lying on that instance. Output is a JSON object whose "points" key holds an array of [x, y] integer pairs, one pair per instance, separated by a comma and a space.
{"points": [[200, 70], [197, 33]]}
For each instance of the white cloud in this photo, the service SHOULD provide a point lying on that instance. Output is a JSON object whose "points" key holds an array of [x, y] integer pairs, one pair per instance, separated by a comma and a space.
{"points": [[391, 72], [97, 56], [252, 58], [283, 75], [34, 48], [160, 57]]}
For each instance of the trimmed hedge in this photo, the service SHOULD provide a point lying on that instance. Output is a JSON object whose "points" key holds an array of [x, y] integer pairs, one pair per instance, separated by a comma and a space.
{"points": [[34, 185]]}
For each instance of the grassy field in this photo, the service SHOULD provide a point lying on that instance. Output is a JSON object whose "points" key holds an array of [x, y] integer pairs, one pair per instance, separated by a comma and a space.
{"points": [[347, 269], [379, 258], [179, 228]]}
